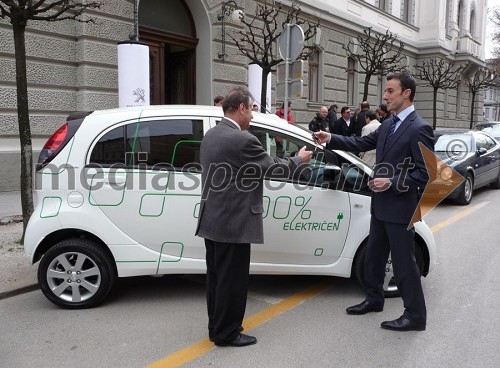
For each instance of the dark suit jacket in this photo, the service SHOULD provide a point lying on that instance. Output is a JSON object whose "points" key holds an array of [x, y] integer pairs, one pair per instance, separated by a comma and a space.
{"points": [[398, 203], [340, 127], [232, 206]]}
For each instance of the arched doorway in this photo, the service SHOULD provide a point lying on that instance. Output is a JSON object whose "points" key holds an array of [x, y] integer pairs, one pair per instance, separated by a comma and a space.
{"points": [[167, 27]]}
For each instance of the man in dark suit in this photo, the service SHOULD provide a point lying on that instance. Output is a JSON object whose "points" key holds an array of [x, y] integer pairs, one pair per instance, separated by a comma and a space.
{"points": [[359, 123], [344, 125], [233, 164], [399, 174]]}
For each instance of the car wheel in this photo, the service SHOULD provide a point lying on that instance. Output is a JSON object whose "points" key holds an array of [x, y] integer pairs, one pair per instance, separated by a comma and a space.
{"points": [[465, 194], [76, 273], [390, 288]]}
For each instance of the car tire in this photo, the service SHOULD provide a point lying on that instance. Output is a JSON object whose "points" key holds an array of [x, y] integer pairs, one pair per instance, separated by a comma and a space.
{"points": [[465, 192], [390, 288], [76, 274]]}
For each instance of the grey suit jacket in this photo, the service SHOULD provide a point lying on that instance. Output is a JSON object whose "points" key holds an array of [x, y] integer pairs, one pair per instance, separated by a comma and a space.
{"points": [[233, 165], [397, 204]]}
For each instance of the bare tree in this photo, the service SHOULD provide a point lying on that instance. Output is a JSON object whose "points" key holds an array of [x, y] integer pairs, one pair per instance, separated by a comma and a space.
{"points": [[495, 18], [377, 54], [258, 40], [19, 13], [477, 79], [438, 74]]}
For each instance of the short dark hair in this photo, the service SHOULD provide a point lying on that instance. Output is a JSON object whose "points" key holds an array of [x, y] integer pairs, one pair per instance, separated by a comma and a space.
{"points": [[236, 97], [383, 107], [370, 115], [343, 109], [365, 105], [283, 104], [406, 81], [333, 107], [218, 99]]}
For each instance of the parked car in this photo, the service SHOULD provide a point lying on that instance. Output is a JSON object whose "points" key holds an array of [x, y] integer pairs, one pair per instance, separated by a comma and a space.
{"points": [[473, 154], [118, 195], [491, 127]]}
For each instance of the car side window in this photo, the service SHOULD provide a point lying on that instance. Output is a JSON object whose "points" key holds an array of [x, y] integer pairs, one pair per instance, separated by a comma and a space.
{"points": [[157, 144], [483, 141], [283, 146]]}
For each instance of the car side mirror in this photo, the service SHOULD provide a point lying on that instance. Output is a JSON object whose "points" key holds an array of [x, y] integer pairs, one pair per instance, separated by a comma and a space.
{"points": [[331, 175], [481, 151]]}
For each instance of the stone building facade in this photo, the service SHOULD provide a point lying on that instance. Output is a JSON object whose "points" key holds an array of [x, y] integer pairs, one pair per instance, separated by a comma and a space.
{"points": [[72, 66]]}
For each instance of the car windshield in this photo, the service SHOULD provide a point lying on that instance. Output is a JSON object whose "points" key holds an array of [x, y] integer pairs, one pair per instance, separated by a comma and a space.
{"points": [[453, 142]]}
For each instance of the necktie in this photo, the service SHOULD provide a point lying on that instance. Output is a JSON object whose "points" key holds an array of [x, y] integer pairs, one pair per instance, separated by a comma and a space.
{"points": [[392, 128]]}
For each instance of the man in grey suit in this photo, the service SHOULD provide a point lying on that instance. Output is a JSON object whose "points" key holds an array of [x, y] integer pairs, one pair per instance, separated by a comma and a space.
{"points": [[399, 176], [233, 165]]}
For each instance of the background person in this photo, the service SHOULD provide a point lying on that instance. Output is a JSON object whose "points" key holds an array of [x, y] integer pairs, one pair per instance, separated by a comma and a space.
{"points": [[231, 210], [332, 115], [218, 100], [344, 125], [320, 123], [382, 112], [281, 112], [359, 123], [399, 174], [371, 125]]}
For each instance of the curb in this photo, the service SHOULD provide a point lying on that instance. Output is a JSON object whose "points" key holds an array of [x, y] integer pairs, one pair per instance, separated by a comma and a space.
{"points": [[17, 288], [11, 219]]}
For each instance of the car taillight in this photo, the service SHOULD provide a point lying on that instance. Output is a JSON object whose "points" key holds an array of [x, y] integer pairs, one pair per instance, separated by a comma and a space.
{"points": [[59, 139]]}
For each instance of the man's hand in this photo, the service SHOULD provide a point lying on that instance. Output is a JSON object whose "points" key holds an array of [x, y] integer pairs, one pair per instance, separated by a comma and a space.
{"points": [[379, 184], [321, 137], [305, 155]]}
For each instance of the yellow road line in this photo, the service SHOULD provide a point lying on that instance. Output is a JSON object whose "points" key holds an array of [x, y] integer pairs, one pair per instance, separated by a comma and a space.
{"points": [[202, 347], [457, 217]]}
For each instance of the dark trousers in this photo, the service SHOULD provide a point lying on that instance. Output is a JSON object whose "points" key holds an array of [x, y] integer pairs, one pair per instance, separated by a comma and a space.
{"points": [[228, 267], [388, 237]]}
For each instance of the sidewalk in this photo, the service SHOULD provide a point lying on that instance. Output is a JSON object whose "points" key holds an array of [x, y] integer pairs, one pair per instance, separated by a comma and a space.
{"points": [[10, 204], [17, 275]]}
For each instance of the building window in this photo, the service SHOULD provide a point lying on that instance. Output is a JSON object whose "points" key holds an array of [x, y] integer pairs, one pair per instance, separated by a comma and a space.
{"points": [[459, 99], [351, 81], [459, 16], [407, 11], [448, 16], [314, 76], [446, 103], [382, 4], [473, 23]]}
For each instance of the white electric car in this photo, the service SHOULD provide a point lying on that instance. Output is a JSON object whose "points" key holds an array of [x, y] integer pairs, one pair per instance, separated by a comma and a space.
{"points": [[118, 194]]}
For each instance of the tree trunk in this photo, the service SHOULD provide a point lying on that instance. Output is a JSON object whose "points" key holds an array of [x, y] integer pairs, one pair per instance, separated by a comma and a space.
{"points": [[263, 90], [472, 109], [434, 109], [24, 126], [365, 89]]}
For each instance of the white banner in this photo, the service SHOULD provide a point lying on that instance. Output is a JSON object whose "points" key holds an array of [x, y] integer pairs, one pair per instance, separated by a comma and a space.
{"points": [[255, 83], [133, 74]]}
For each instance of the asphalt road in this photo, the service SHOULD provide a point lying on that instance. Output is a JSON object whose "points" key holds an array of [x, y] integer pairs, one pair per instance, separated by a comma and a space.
{"points": [[148, 319]]}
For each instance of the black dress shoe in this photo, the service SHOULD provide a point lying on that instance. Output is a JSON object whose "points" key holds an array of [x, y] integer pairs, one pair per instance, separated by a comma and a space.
{"points": [[241, 340], [403, 324], [364, 308], [239, 329]]}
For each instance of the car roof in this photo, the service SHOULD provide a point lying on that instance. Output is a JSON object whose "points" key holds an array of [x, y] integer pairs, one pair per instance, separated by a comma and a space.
{"points": [[438, 133], [487, 124], [271, 120]]}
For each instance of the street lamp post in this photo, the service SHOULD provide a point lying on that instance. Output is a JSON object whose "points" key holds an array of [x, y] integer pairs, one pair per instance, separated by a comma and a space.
{"points": [[229, 8]]}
